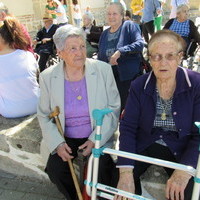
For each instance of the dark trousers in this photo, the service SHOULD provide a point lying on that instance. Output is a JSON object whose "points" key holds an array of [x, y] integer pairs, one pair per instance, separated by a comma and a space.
{"points": [[43, 61], [59, 172], [160, 152], [122, 86], [148, 28]]}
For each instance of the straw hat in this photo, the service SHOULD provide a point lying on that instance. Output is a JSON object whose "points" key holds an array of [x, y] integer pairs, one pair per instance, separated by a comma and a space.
{"points": [[47, 17]]}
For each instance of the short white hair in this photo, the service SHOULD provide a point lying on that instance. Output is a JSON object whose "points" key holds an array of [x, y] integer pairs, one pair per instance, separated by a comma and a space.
{"points": [[64, 32], [180, 8], [89, 16]]}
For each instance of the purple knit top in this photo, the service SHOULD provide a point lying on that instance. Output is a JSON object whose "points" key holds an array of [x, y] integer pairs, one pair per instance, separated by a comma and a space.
{"points": [[77, 118]]}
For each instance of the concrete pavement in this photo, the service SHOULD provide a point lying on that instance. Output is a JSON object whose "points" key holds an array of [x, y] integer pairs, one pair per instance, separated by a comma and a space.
{"points": [[13, 187]]}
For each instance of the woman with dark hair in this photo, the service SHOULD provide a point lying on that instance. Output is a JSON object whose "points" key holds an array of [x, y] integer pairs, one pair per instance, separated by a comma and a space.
{"points": [[19, 89]]}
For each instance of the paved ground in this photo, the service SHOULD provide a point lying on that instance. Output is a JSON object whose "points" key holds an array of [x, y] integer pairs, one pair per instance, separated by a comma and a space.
{"points": [[18, 188]]}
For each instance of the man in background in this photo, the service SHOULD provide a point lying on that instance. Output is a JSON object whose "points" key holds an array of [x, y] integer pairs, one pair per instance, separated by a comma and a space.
{"points": [[44, 41]]}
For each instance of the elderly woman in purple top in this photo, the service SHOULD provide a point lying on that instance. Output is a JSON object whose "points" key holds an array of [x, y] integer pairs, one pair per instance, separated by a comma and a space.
{"points": [[77, 85], [159, 118]]}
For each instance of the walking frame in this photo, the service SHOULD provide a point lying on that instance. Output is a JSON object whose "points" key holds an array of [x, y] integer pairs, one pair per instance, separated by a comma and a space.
{"points": [[95, 189]]}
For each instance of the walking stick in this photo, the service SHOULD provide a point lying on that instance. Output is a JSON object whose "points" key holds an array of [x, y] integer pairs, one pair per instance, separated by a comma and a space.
{"points": [[54, 115]]}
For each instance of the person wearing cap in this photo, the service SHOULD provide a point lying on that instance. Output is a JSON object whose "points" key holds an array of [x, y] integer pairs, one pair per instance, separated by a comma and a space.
{"points": [[44, 41]]}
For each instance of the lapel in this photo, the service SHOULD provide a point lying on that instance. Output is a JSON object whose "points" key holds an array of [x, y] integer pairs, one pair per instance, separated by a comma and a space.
{"points": [[91, 83], [57, 88]]}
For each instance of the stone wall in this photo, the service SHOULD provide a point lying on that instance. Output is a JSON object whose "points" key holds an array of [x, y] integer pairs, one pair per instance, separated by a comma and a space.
{"points": [[33, 20]]}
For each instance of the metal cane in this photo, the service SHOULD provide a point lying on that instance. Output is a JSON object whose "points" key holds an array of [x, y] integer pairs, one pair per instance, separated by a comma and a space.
{"points": [[54, 115]]}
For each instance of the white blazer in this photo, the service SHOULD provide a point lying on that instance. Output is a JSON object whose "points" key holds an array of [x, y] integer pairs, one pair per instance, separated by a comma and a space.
{"points": [[102, 93]]}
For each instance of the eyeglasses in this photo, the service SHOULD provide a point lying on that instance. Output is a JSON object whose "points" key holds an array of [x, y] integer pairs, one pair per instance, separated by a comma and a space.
{"points": [[169, 56]]}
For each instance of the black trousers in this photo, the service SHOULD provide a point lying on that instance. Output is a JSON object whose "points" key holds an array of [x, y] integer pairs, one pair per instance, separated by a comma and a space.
{"points": [[160, 152], [43, 61], [122, 86], [148, 28], [59, 172]]}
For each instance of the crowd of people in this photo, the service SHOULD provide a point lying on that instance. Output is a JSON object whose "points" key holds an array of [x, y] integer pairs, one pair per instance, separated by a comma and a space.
{"points": [[155, 112]]}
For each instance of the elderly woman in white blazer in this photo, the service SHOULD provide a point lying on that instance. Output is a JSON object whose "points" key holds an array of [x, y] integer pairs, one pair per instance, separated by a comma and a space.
{"points": [[77, 85]]}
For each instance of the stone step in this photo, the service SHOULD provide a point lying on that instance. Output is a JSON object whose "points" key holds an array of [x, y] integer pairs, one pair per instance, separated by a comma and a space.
{"points": [[20, 155], [20, 147]]}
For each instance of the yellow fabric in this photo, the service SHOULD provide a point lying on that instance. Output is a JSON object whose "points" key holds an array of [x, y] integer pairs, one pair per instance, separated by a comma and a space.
{"points": [[136, 6]]}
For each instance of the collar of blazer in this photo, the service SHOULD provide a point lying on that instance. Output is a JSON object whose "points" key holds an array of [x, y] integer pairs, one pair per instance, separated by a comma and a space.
{"points": [[57, 87]]}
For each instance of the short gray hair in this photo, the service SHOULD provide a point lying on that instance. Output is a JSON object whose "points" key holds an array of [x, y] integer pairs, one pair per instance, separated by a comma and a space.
{"points": [[120, 6], [180, 8], [3, 8], [64, 32], [89, 16], [170, 35]]}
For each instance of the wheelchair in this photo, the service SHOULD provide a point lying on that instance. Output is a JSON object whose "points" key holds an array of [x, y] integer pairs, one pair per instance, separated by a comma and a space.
{"points": [[47, 57], [191, 59], [53, 59]]}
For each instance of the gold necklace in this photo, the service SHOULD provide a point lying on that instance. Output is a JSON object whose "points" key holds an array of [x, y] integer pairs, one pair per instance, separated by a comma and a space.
{"points": [[164, 108], [75, 90]]}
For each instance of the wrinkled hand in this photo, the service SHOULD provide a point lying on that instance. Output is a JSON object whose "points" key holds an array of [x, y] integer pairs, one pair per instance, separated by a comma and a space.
{"points": [[114, 57], [126, 183], [44, 40], [159, 12], [176, 185], [87, 147], [64, 152]]}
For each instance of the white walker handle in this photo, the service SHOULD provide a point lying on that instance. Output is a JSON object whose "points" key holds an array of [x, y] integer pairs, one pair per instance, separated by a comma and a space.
{"points": [[98, 115]]}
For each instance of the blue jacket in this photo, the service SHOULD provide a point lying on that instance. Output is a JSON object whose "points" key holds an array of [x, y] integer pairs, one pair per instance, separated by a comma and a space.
{"points": [[130, 45], [137, 124]]}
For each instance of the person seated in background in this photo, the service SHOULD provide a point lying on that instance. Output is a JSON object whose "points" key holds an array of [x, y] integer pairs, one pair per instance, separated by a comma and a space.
{"points": [[77, 85], [49, 9], [185, 28], [93, 34], [88, 12], [173, 7], [159, 118], [44, 41], [19, 90], [3, 13]]}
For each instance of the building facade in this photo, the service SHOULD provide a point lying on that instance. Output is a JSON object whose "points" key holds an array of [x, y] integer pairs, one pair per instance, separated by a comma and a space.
{"points": [[30, 12]]}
